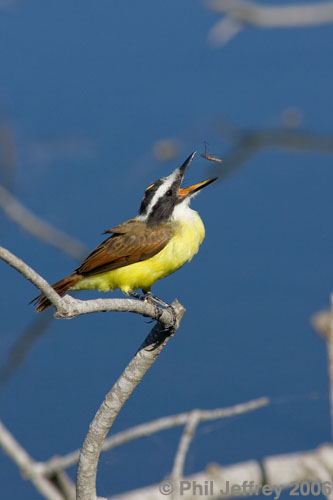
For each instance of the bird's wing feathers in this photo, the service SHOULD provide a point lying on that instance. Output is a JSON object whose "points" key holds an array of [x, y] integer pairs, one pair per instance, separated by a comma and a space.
{"points": [[125, 227], [131, 242]]}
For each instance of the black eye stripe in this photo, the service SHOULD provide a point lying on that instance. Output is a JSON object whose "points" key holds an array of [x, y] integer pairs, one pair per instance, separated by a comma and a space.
{"points": [[148, 196], [163, 205], [163, 208], [161, 211]]}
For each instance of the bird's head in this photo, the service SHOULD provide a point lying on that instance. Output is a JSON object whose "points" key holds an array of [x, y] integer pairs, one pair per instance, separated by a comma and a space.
{"points": [[163, 196]]}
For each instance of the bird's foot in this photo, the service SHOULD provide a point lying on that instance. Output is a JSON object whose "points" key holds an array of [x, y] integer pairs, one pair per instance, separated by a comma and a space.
{"points": [[136, 295], [156, 301], [150, 300], [172, 310], [151, 297]]}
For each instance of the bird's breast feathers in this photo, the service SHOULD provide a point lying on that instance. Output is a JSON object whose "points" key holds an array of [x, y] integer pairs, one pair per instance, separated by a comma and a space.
{"points": [[188, 234]]}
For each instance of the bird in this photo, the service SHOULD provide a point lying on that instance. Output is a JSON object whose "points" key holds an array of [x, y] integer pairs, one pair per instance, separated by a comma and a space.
{"points": [[164, 235]]}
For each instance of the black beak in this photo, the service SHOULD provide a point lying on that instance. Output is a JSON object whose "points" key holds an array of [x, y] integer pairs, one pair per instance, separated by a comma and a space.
{"points": [[186, 164], [183, 193]]}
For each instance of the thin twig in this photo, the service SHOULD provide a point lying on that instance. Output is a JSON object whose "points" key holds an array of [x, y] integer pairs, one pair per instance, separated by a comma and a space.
{"points": [[322, 322], [275, 16], [329, 344], [32, 276], [184, 444], [148, 428], [114, 401], [246, 143], [22, 346], [65, 485], [36, 226], [241, 13], [26, 464]]}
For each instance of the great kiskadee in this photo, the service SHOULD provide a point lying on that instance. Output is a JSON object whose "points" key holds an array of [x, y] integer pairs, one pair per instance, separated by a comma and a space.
{"points": [[164, 236]]}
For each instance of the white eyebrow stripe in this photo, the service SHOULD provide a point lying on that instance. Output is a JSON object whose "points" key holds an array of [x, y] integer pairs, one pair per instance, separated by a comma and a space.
{"points": [[159, 193]]}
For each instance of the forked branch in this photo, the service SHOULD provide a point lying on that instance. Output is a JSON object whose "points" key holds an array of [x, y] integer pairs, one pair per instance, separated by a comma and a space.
{"points": [[68, 307], [60, 463], [114, 401]]}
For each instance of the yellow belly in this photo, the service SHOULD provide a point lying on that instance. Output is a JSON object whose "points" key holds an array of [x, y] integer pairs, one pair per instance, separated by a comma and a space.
{"points": [[180, 249]]}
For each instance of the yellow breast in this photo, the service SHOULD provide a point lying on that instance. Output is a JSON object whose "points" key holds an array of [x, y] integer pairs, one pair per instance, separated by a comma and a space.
{"points": [[189, 232]]}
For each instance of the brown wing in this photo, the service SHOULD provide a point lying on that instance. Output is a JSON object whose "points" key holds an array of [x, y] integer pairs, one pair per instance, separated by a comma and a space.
{"points": [[131, 242]]}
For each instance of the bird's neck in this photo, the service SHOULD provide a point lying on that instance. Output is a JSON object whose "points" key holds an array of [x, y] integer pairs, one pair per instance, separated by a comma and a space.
{"points": [[182, 212]]}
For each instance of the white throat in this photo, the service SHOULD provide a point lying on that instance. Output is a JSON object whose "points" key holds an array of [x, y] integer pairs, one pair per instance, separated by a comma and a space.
{"points": [[182, 211]]}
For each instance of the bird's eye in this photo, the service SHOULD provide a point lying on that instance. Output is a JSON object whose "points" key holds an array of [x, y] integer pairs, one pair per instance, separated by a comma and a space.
{"points": [[169, 193]]}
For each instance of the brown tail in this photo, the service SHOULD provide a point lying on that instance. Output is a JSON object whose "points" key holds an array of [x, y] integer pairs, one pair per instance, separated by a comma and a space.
{"points": [[61, 287]]}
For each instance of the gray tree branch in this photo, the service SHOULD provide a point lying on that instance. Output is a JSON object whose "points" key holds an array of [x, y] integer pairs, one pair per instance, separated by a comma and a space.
{"points": [[68, 307], [34, 277], [114, 401], [57, 463], [322, 322], [248, 142], [39, 228], [279, 470], [27, 465], [241, 13], [184, 445]]}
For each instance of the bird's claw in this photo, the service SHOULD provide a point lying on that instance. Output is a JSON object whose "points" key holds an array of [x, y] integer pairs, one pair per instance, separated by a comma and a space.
{"points": [[155, 301], [172, 311], [157, 310]]}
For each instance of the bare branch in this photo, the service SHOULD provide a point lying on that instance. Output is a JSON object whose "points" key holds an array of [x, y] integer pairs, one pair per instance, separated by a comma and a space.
{"points": [[74, 307], [239, 13], [33, 224], [184, 444], [275, 16], [65, 485], [247, 142], [26, 464], [147, 429], [22, 346], [322, 322], [68, 307], [114, 401], [329, 344], [278, 470], [32, 276]]}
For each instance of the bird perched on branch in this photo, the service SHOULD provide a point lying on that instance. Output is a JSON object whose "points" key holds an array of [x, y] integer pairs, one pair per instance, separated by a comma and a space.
{"points": [[164, 236]]}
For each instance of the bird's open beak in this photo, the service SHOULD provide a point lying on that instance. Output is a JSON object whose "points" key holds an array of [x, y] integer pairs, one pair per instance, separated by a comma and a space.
{"points": [[189, 191], [184, 192], [186, 164]]}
